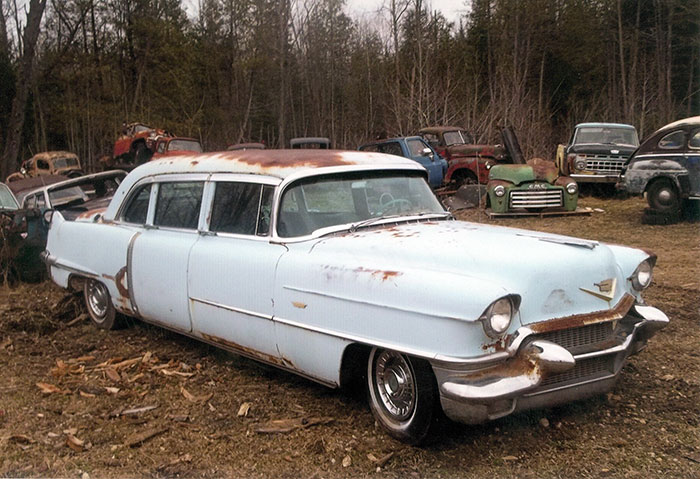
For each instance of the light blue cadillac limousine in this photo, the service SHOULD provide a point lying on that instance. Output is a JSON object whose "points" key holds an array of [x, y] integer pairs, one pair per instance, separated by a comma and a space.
{"points": [[343, 266]]}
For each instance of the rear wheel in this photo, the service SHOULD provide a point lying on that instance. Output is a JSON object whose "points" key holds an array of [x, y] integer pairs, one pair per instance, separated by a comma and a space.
{"points": [[99, 304], [663, 197], [463, 177], [402, 394]]}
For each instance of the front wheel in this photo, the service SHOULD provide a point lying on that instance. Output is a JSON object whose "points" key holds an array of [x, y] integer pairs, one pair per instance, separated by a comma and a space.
{"points": [[663, 197], [402, 394], [99, 304]]}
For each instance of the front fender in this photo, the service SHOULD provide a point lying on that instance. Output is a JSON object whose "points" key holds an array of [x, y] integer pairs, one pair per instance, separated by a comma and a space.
{"points": [[640, 173]]}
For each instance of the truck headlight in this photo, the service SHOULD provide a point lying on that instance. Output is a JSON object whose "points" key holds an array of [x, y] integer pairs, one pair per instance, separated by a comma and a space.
{"points": [[499, 190], [641, 278], [571, 188], [498, 316], [580, 163]]}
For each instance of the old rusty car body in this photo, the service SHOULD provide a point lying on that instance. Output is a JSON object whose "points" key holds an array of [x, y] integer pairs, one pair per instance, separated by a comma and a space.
{"points": [[310, 142], [135, 145], [597, 152], [534, 185], [49, 163], [319, 262], [175, 145], [74, 197], [467, 162], [666, 167], [416, 149]]}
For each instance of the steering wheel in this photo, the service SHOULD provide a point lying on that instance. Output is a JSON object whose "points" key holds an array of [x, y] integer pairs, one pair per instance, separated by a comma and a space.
{"points": [[395, 204]]}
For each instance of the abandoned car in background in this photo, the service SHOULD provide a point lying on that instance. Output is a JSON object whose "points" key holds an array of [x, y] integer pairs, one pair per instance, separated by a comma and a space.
{"points": [[135, 145], [416, 149], [343, 266], [49, 163], [597, 152], [666, 167], [310, 143], [172, 145], [534, 185], [76, 197], [246, 146], [468, 163]]}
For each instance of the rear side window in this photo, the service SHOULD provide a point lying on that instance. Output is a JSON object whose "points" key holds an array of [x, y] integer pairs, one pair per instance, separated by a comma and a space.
{"points": [[241, 208], [138, 206], [672, 140], [178, 204], [694, 141]]}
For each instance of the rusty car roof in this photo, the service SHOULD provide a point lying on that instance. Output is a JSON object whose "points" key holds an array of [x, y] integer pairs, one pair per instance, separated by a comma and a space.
{"points": [[50, 155], [440, 129], [693, 120], [275, 163]]}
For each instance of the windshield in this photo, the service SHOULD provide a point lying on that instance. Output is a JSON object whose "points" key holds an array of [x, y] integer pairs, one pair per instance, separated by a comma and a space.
{"points": [[458, 137], [7, 201], [184, 145], [67, 195], [69, 161], [320, 202], [607, 136]]}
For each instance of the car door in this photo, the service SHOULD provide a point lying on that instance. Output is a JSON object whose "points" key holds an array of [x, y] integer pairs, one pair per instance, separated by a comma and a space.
{"points": [[160, 254], [232, 269], [417, 148]]}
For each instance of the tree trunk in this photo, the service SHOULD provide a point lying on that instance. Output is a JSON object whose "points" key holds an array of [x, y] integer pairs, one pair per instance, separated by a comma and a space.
{"points": [[24, 81]]}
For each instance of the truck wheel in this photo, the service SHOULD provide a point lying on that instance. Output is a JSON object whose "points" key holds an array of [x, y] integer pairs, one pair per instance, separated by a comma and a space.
{"points": [[99, 304], [464, 177], [402, 394], [141, 154], [663, 197]]}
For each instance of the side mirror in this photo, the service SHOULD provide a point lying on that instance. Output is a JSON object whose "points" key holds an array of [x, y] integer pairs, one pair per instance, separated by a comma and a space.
{"points": [[428, 152], [46, 218]]}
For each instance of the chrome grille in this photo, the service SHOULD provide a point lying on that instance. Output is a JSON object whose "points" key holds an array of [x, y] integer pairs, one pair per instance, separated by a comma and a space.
{"points": [[536, 198], [584, 368], [581, 336], [605, 163]]}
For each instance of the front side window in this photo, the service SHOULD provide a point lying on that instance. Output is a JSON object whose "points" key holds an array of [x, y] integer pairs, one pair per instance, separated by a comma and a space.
{"points": [[333, 200], [137, 209], [672, 141], [42, 164], [178, 204], [416, 147]]}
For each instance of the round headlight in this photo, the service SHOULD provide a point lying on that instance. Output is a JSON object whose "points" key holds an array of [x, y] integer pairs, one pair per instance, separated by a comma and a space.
{"points": [[571, 188], [641, 278], [499, 190], [580, 163], [497, 317]]}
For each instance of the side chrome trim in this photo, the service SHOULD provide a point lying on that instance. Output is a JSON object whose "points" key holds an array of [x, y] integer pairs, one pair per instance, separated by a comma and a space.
{"points": [[129, 273], [231, 308]]}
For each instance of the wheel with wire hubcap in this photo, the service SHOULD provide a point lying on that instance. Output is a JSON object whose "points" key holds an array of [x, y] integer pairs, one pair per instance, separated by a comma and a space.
{"points": [[402, 394], [99, 304]]}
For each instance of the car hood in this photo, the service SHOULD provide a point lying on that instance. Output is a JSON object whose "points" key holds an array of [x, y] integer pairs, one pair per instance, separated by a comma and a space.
{"points": [[470, 264], [602, 149], [518, 174], [474, 150]]}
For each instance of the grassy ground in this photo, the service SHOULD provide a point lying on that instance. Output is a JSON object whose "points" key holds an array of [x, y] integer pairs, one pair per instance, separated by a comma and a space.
{"points": [[77, 422]]}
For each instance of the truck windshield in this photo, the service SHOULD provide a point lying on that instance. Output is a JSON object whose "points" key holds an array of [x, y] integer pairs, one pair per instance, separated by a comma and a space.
{"points": [[184, 145], [322, 202], [607, 136], [457, 137], [7, 200]]}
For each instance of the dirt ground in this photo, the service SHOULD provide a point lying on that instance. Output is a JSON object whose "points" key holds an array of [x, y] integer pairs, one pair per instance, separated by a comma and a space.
{"points": [[144, 402]]}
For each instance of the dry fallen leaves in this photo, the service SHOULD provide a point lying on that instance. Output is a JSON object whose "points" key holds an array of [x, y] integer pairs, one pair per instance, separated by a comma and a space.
{"points": [[112, 374], [288, 425], [143, 436], [74, 443], [243, 410], [191, 397], [47, 388]]}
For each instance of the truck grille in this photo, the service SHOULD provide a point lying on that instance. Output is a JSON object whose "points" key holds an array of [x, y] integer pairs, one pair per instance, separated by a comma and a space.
{"points": [[536, 198], [580, 337], [605, 163]]}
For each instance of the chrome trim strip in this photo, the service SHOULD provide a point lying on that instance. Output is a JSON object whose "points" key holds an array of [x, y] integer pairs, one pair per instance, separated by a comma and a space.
{"points": [[231, 308], [129, 272], [567, 386], [52, 261], [660, 155]]}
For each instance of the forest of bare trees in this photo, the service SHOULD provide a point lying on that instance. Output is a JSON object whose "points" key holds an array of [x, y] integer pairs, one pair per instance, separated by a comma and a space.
{"points": [[72, 71]]}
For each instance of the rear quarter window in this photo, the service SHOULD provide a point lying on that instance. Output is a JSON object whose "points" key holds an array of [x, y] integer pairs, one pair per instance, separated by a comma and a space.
{"points": [[137, 206]]}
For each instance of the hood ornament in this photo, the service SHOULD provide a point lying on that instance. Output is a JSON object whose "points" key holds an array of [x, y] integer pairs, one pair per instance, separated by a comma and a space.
{"points": [[606, 289]]}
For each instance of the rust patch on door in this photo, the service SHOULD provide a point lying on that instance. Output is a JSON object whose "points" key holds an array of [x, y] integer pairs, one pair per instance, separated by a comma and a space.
{"points": [[378, 273]]}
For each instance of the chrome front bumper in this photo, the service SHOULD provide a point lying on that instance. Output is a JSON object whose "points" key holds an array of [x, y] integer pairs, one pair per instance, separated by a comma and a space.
{"points": [[596, 177], [541, 373]]}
